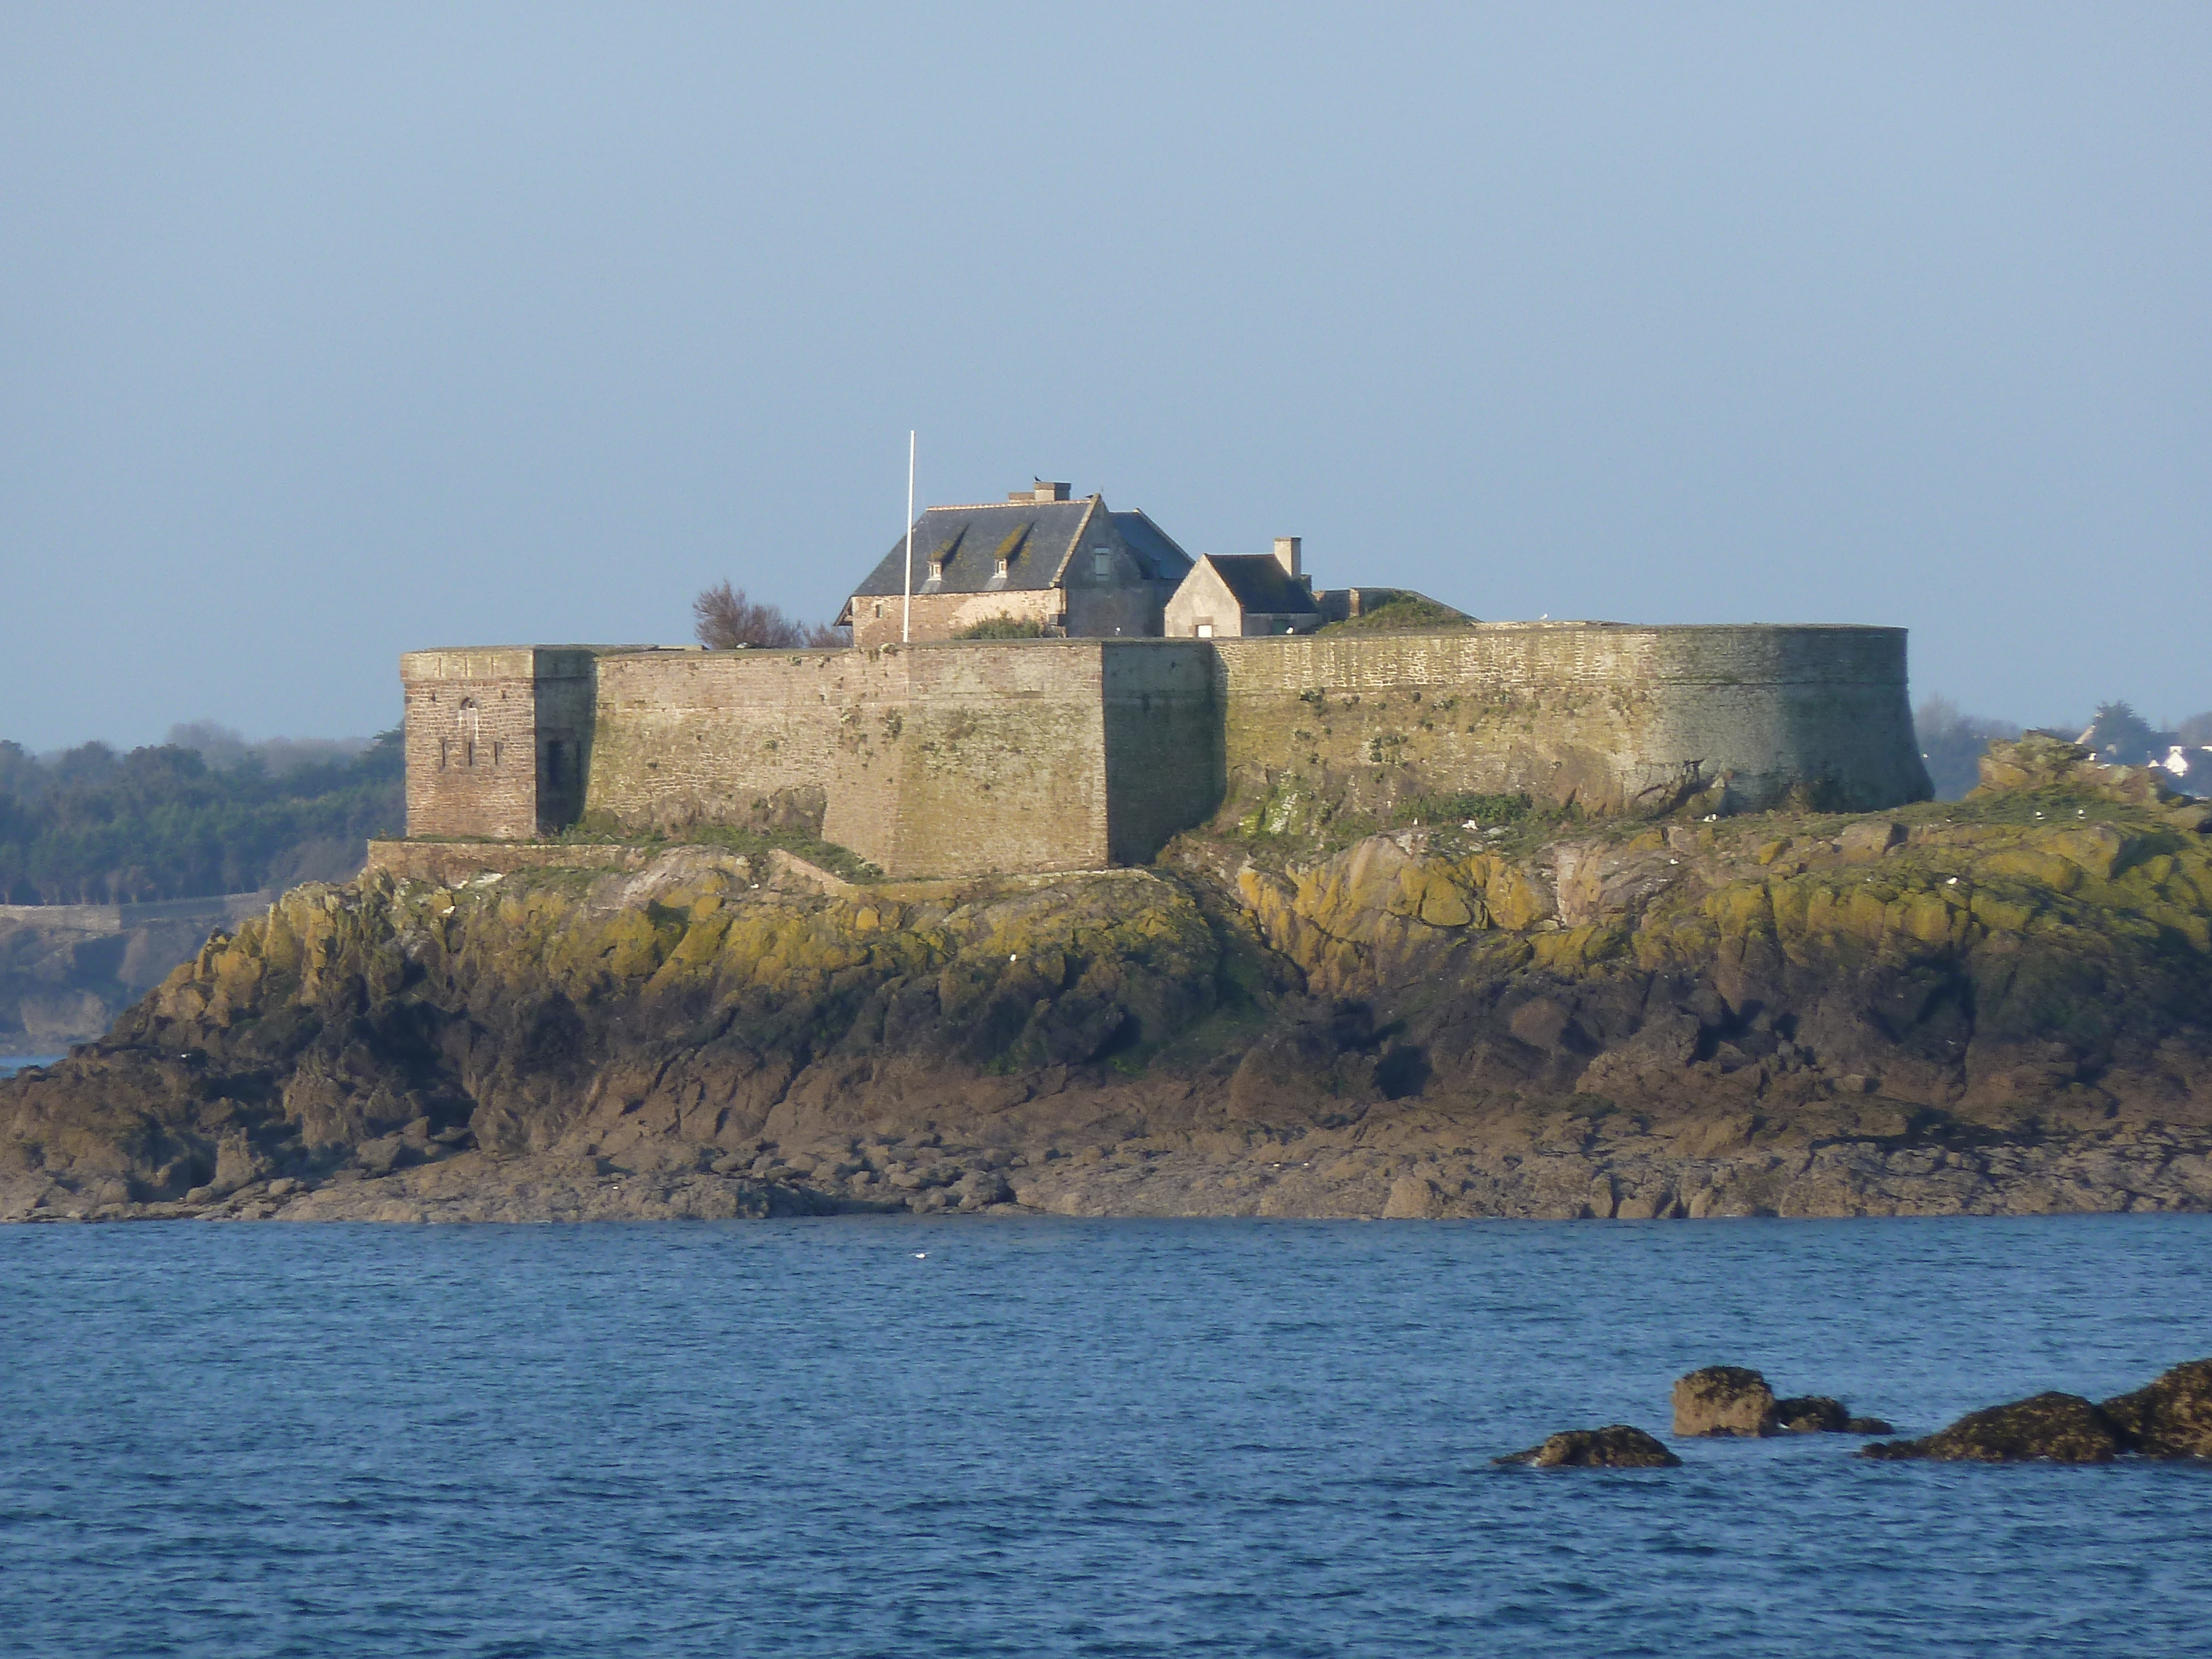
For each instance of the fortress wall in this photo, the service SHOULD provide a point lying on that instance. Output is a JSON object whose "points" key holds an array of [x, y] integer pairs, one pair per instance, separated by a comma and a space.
{"points": [[750, 737], [472, 734], [988, 756], [1616, 718], [1771, 709], [1162, 741], [953, 760], [1002, 758]]}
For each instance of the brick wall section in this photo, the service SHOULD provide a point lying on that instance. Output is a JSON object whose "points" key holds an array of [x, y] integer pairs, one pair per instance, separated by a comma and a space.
{"points": [[1618, 718]]}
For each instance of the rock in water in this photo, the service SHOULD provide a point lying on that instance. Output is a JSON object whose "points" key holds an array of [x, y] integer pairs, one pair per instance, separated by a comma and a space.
{"points": [[1812, 1413], [2170, 1417], [2055, 1428], [1724, 1399], [1817, 1413], [1615, 1447]]}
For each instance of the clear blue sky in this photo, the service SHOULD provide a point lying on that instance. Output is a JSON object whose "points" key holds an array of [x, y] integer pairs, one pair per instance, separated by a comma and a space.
{"points": [[329, 332]]}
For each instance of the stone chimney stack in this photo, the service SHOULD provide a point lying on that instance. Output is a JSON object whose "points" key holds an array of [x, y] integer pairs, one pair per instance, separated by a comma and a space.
{"points": [[1039, 490], [1286, 555]]}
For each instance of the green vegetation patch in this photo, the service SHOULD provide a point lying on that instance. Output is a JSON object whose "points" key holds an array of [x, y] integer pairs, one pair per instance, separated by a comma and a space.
{"points": [[1407, 612], [600, 830], [1002, 627]]}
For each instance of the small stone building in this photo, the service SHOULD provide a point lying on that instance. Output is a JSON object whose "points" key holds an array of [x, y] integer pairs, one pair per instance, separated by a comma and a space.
{"points": [[1063, 568], [1243, 596]]}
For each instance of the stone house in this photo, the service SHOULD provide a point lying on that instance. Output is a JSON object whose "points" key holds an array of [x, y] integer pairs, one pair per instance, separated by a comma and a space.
{"points": [[1067, 569], [1243, 596]]}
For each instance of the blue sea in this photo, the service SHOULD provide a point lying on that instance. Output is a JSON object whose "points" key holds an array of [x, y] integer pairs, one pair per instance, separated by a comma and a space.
{"points": [[983, 1437]]}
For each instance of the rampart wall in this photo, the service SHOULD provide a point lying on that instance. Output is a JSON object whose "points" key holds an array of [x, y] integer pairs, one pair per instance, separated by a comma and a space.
{"points": [[996, 757], [1617, 718], [943, 759]]}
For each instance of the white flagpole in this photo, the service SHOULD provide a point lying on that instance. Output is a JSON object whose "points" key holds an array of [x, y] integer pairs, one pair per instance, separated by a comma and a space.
{"points": [[905, 621]]}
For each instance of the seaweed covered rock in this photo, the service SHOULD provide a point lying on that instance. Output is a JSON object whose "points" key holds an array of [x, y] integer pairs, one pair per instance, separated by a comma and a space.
{"points": [[1817, 1414], [1812, 1413], [1617, 1446], [1724, 1399], [2170, 1418], [2051, 1428]]}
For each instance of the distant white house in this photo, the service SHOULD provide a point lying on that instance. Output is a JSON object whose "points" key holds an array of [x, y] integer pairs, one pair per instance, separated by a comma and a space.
{"points": [[2191, 766]]}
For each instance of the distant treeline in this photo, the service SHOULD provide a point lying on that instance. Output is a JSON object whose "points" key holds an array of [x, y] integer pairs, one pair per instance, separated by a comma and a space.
{"points": [[183, 820]]}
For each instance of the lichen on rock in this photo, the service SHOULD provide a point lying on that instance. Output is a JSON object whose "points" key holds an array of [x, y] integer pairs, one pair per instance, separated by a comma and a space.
{"points": [[1993, 1006]]}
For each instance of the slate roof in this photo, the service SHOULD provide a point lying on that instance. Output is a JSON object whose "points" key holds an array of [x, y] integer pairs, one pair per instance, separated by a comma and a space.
{"points": [[1259, 583], [1162, 561], [1036, 536]]}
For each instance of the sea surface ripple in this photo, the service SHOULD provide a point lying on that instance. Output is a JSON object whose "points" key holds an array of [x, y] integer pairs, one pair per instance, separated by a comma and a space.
{"points": [[1033, 1436]]}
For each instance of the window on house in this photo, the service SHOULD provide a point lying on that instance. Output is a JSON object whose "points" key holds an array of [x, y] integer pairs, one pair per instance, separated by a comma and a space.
{"points": [[444, 758], [1205, 630], [1002, 567], [469, 755], [495, 749], [1102, 561]]}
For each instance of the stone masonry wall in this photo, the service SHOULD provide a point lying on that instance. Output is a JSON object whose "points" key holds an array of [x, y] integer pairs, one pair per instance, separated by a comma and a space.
{"points": [[471, 720], [954, 759], [1616, 718], [497, 738], [989, 756], [1162, 736]]}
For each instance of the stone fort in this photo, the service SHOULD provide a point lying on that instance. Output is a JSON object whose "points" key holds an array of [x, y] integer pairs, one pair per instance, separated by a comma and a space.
{"points": [[1093, 742]]}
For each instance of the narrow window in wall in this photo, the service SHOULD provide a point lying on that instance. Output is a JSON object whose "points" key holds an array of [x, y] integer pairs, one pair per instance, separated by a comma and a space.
{"points": [[553, 763], [495, 748], [444, 760], [469, 755]]}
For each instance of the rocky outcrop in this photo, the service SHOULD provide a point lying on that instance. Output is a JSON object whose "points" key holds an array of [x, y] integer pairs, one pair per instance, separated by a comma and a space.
{"points": [[2170, 1417], [1733, 1401], [1991, 1007], [1615, 1447], [1724, 1399], [2054, 1428], [1817, 1413]]}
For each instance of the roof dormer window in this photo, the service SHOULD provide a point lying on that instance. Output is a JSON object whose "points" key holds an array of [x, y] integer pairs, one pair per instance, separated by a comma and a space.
{"points": [[1002, 567]]}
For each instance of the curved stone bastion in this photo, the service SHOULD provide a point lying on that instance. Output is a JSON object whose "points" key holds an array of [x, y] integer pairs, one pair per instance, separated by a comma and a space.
{"points": [[973, 757]]}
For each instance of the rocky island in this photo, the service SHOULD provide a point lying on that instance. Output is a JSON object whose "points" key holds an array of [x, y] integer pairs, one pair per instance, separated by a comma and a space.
{"points": [[2002, 1005]]}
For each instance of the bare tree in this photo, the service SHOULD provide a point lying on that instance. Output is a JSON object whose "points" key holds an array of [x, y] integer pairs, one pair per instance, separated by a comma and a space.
{"points": [[727, 620]]}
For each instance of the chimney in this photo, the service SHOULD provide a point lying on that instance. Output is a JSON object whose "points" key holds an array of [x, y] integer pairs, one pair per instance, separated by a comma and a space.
{"points": [[1039, 490], [1286, 555]]}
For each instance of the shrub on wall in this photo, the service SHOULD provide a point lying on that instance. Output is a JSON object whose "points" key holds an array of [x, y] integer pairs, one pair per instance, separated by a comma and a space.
{"points": [[1002, 627]]}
